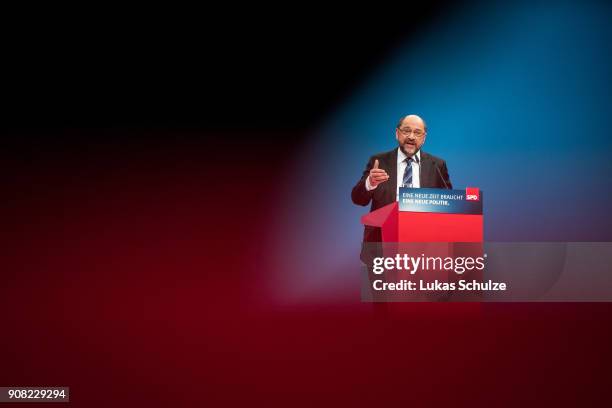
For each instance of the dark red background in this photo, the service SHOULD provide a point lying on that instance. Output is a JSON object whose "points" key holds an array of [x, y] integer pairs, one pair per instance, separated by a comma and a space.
{"points": [[128, 277]]}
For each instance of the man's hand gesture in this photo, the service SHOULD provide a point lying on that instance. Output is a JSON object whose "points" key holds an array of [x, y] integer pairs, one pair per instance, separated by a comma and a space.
{"points": [[377, 175]]}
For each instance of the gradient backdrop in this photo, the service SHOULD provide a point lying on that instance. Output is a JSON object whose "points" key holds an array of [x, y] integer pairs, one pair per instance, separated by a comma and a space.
{"points": [[177, 221]]}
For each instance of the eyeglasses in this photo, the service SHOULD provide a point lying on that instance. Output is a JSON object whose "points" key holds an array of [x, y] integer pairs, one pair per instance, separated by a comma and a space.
{"points": [[408, 131]]}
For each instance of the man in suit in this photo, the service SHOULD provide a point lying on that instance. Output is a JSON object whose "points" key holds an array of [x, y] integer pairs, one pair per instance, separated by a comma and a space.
{"points": [[406, 166]]}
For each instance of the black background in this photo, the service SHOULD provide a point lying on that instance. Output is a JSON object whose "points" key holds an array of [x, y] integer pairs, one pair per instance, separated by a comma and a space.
{"points": [[243, 68]]}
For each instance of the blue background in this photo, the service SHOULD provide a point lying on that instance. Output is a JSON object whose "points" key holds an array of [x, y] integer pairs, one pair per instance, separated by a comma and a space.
{"points": [[517, 101]]}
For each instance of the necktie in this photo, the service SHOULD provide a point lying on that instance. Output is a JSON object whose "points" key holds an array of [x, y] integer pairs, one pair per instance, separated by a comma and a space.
{"points": [[407, 180]]}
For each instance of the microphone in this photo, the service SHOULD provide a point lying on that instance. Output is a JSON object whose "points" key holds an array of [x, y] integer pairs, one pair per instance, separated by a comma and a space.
{"points": [[440, 174]]}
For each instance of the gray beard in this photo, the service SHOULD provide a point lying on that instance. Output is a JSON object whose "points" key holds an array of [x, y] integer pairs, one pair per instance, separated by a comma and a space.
{"points": [[406, 153]]}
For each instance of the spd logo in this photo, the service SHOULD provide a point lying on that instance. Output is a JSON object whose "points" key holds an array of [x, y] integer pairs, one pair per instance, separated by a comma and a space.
{"points": [[472, 194]]}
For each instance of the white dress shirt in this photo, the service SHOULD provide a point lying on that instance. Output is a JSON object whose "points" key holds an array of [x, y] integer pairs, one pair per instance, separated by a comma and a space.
{"points": [[401, 167]]}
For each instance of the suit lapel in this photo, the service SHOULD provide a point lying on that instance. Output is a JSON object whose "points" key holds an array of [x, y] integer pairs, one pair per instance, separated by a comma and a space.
{"points": [[425, 170], [392, 184]]}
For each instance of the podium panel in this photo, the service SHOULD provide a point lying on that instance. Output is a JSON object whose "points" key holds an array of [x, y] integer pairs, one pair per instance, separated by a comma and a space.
{"points": [[429, 215]]}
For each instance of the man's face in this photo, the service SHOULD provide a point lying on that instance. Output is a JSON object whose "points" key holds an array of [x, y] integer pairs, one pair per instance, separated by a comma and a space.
{"points": [[411, 135]]}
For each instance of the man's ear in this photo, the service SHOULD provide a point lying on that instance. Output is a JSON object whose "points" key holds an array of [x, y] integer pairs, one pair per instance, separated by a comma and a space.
{"points": [[396, 135]]}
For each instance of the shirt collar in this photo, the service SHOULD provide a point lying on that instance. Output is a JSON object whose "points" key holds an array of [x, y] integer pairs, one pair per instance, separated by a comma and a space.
{"points": [[401, 156]]}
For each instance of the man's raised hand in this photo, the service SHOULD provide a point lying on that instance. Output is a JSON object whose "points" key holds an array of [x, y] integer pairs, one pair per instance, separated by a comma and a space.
{"points": [[377, 175]]}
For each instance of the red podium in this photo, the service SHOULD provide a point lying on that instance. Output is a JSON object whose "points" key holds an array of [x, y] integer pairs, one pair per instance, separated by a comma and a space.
{"points": [[431, 223], [408, 226]]}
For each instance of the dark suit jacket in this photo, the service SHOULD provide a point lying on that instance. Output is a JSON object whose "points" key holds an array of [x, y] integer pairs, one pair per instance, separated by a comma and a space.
{"points": [[385, 193]]}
